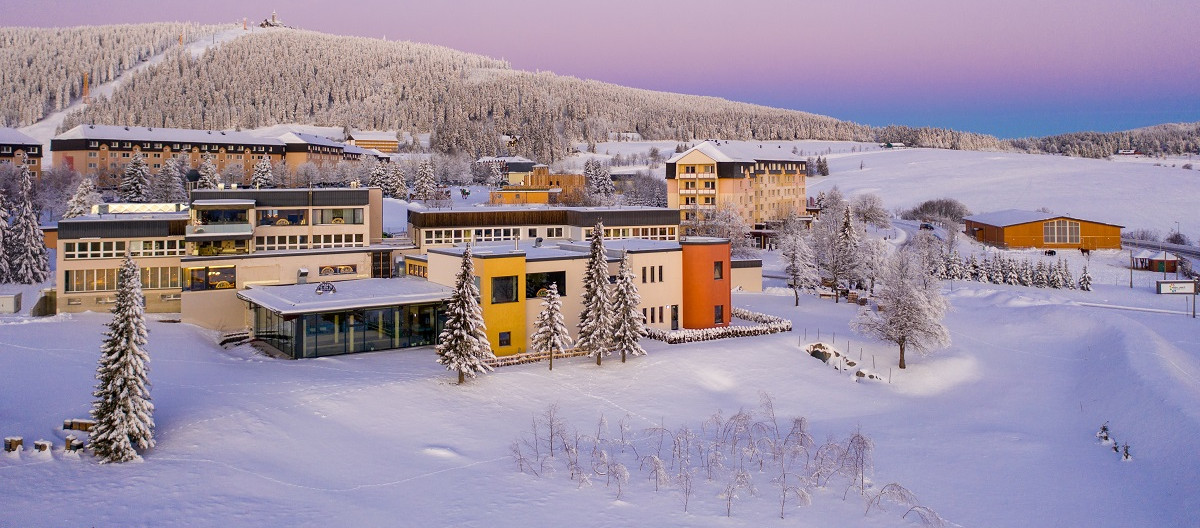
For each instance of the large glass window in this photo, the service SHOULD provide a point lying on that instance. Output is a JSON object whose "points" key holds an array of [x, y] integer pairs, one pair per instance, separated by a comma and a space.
{"points": [[718, 314], [504, 289], [1060, 232], [282, 217], [339, 216], [718, 270], [536, 284], [222, 216], [210, 278], [91, 250]]}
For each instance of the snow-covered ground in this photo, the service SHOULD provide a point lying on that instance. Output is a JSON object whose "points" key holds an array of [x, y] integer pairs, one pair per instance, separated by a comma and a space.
{"points": [[997, 430]]}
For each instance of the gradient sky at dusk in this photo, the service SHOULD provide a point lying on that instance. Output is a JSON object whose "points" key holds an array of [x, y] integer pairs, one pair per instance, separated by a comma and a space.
{"points": [[1008, 67]]}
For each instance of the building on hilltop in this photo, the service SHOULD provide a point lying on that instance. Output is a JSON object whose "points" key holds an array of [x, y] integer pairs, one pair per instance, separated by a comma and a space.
{"points": [[764, 183], [1015, 228], [104, 150], [19, 149]]}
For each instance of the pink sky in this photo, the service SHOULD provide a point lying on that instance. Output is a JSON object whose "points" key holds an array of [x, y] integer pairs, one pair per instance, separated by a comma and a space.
{"points": [[1011, 68]]}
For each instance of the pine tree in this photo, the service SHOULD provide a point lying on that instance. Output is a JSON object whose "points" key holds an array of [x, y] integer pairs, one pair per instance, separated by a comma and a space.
{"points": [[135, 182], [628, 326], [1040, 278], [954, 265], [24, 244], [600, 187], [912, 314], [1055, 275], [424, 186], [1085, 280], [82, 201], [595, 320], [496, 177], [552, 335], [822, 166], [168, 185], [377, 175], [209, 178], [463, 344], [123, 411], [396, 186], [1008, 267], [262, 174], [1068, 280], [5, 242]]}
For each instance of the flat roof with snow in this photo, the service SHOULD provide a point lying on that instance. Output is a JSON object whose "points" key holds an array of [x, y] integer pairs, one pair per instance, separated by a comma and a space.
{"points": [[348, 295]]}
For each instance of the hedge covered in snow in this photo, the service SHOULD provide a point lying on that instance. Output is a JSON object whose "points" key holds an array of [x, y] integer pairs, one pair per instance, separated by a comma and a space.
{"points": [[767, 324]]}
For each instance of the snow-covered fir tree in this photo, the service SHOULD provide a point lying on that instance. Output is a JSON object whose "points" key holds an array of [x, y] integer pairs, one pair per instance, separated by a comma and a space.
{"points": [[377, 175], [1067, 279], [797, 257], [628, 326], [424, 186], [912, 314], [552, 335], [955, 268], [595, 320], [1025, 273], [122, 410], [600, 187], [24, 244], [135, 181], [1041, 278], [463, 344], [847, 249], [1008, 267], [170, 185], [82, 201], [5, 241], [394, 185], [1085, 280], [263, 178], [873, 257], [209, 177], [974, 269]]}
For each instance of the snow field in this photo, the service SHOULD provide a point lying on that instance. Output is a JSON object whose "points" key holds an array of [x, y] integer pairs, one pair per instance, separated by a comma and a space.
{"points": [[997, 430]]}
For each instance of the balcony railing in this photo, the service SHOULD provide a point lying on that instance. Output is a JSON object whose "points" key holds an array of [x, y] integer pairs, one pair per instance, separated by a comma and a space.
{"points": [[217, 231]]}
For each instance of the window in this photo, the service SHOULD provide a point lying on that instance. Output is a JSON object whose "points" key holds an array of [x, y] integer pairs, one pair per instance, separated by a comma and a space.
{"points": [[660, 314], [157, 248], [718, 314], [718, 270], [92, 250], [280, 242], [1060, 232], [554, 232], [690, 169], [660, 274], [537, 283], [504, 289], [505, 338], [643, 274], [343, 269], [339, 215], [533, 232], [282, 217], [160, 278], [210, 278], [90, 280]]}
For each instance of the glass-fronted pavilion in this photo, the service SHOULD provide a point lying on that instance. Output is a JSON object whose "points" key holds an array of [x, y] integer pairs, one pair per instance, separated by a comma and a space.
{"points": [[345, 317]]}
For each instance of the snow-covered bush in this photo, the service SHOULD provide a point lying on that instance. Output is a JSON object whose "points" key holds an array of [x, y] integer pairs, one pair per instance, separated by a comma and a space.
{"points": [[767, 324]]}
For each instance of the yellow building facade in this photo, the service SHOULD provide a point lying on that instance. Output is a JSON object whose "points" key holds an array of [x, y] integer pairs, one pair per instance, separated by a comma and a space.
{"points": [[763, 183]]}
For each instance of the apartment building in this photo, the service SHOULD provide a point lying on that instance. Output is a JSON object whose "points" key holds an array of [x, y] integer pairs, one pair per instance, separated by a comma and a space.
{"points": [[763, 182], [104, 150], [20, 149], [442, 228], [385, 142]]}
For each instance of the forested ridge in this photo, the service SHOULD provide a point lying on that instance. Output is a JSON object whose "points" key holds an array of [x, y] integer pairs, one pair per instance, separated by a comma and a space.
{"points": [[42, 69], [468, 101]]}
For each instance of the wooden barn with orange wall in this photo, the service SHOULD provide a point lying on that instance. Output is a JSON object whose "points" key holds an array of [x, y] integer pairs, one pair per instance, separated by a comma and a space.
{"points": [[1014, 228]]}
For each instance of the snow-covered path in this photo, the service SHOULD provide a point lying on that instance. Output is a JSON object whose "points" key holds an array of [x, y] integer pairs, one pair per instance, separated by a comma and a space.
{"points": [[47, 128]]}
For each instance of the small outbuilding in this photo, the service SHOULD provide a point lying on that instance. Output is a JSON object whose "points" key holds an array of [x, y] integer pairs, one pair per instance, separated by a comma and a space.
{"points": [[1160, 261], [1015, 228]]}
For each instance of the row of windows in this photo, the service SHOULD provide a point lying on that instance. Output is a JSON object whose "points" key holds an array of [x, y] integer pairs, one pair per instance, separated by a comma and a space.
{"points": [[341, 269], [654, 277], [656, 315], [116, 249], [691, 169], [99, 280], [210, 278], [179, 146], [276, 243], [647, 233], [338, 240]]}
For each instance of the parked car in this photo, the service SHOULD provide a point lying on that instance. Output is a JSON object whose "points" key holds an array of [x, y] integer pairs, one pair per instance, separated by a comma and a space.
{"points": [[926, 226]]}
